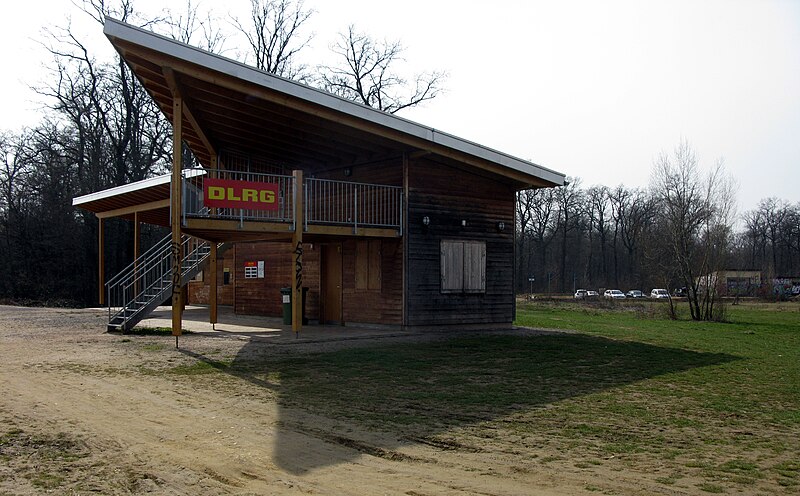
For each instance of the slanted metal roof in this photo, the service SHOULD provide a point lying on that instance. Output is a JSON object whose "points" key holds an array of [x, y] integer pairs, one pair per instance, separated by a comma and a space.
{"points": [[149, 197], [229, 105]]}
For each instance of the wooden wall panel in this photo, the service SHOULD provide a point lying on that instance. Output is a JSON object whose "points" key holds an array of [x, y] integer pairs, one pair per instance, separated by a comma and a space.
{"points": [[384, 303], [389, 172], [447, 196], [262, 296], [374, 264]]}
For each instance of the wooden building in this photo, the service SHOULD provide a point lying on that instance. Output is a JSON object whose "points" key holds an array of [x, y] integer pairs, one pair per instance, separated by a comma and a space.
{"points": [[383, 220]]}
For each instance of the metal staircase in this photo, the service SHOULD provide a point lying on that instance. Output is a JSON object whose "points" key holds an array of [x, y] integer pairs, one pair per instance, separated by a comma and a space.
{"points": [[147, 283]]}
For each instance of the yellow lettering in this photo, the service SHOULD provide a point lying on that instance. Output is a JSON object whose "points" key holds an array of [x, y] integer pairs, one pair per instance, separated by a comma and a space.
{"points": [[266, 196], [216, 193], [232, 195], [249, 195]]}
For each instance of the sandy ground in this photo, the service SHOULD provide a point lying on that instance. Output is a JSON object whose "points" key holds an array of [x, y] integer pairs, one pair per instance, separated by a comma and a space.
{"points": [[78, 416]]}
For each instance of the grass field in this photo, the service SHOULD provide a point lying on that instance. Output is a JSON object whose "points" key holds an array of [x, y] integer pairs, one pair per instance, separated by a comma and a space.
{"points": [[741, 415], [708, 406]]}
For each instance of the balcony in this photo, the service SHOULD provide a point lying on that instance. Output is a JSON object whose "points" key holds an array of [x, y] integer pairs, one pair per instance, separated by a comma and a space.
{"points": [[255, 204]]}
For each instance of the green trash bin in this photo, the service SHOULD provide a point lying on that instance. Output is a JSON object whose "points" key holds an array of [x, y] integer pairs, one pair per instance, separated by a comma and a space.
{"points": [[286, 298]]}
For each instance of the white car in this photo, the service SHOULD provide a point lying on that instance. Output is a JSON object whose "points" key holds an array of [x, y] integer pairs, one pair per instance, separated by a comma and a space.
{"points": [[659, 294], [614, 294], [580, 294]]}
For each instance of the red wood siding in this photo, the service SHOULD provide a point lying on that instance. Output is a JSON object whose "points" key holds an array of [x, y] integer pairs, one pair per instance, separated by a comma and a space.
{"points": [[384, 303], [262, 296], [199, 290]]}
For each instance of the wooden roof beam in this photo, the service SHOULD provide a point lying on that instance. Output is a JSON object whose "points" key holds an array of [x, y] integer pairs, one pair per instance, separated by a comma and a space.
{"points": [[174, 86], [118, 212]]}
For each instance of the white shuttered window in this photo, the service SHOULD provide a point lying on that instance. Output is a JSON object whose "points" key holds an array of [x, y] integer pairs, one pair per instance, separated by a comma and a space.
{"points": [[463, 266]]}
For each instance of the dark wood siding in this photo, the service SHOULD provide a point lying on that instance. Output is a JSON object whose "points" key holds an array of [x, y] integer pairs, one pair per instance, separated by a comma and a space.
{"points": [[448, 195], [388, 172]]}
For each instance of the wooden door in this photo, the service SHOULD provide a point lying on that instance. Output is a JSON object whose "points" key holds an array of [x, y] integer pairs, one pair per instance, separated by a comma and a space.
{"points": [[331, 304]]}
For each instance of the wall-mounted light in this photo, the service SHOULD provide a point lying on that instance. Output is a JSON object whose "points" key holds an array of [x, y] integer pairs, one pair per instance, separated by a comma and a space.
{"points": [[348, 172], [463, 222], [426, 221], [501, 226]]}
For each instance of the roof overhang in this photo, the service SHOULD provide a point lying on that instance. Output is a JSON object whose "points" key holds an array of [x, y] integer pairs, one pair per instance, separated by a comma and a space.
{"points": [[229, 105], [149, 199]]}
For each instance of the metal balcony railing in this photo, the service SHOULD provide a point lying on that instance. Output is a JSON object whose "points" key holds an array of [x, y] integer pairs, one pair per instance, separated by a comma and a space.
{"points": [[352, 204], [325, 201], [195, 207]]}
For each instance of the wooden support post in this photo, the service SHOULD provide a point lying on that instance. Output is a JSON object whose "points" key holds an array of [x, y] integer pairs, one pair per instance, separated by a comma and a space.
{"points": [[101, 262], [175, 206], [212, 266], [212, 284], [297, 247]]}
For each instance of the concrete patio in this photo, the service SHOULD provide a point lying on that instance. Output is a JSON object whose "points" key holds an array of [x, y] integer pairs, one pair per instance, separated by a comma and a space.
{"points": [[272, 329]]}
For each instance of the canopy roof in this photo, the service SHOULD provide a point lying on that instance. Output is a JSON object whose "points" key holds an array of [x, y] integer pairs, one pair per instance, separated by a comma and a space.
{"points": [[149, 198], [228, 105]]}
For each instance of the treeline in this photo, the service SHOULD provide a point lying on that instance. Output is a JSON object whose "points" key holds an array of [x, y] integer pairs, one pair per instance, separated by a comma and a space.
{"points": [[48, 249], [100, 129], [601, 237]]}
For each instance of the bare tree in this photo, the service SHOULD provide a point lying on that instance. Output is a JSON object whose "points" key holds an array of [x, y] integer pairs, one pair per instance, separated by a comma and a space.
{"points": [[697, 211], [618, 200], [634, 211], [107, 106], [569, 199], [523, 217], [196, 28], [368, 74], [543, 226], [274, 35], [756, 234], [102, 123], [597, 203], [774, 213]]}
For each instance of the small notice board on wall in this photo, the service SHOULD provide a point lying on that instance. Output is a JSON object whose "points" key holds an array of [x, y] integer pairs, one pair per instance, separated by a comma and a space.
{"points": [[254, 270]]}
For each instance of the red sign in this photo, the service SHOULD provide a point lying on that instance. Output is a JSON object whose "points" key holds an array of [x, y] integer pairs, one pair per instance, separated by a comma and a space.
{"points": [[249, 195], [251, 264]]}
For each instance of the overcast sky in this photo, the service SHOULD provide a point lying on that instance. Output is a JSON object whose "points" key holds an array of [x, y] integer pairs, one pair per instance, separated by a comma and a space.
{"points": [[595, 90]]}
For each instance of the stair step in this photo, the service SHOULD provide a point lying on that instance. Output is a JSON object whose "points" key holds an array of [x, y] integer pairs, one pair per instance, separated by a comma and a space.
{"points": [[155, 274]]}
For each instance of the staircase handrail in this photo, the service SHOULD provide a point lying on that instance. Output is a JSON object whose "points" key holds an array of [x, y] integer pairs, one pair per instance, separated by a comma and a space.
{"points": [[153, 269], [143, 257]]}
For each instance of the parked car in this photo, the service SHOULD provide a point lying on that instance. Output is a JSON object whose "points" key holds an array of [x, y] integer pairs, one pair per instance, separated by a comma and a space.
{"points": [[680, 292], [634, 293], [614, 294], [659, 294], [592, 295], [580, 294]]}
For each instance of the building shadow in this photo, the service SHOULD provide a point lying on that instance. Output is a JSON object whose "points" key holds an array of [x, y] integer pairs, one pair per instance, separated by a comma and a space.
{"points": [[415, 390]]}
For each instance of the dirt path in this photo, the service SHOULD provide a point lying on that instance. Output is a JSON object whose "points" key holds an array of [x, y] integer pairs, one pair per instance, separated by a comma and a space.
{"points": [[83, 412]]}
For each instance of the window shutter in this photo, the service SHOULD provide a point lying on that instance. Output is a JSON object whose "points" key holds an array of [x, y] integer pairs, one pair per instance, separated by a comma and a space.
{"points": [[474, 267], [452, 266]]}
